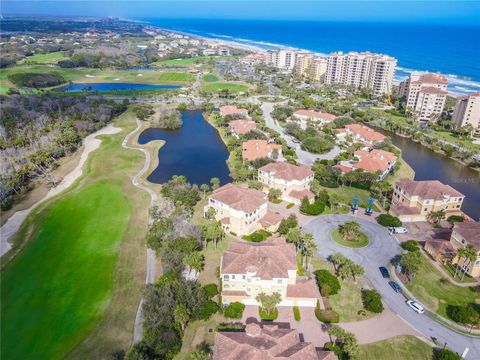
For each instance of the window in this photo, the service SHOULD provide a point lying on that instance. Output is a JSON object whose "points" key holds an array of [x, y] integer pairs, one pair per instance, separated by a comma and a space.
{"points": [[233, 277], [425, 209], [225, 277], [279, 281], [243, 277]]}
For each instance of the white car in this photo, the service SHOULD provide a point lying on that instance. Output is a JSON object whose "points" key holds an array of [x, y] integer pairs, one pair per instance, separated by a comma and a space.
{"points": [[416, 307], [400, 230]]}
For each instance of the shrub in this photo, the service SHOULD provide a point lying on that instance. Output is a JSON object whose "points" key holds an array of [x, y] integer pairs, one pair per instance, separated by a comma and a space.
{"points": [[389, 220], [287, 224], [455, 218], [372, 301], [210, 290], [462, 314], [208, 309], [327, 316], [296, 313], [316, 208], [34, 80], [445, 354], [290, 205], [230, 327], [265, 316], [257, 236], [411, 245], [327, 282], [234, 310]]}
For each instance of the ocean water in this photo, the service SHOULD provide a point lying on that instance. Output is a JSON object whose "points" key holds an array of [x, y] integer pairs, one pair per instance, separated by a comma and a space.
{"points": [[452, 50]]}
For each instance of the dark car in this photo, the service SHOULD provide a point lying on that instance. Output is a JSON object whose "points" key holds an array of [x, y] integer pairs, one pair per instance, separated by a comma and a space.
{"points": [[384, 272], [395, 286]]}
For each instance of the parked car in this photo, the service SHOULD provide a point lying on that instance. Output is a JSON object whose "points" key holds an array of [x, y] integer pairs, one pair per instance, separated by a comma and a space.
{"points": [[415, 306], [400, 230], [384, 272], [395, 286]]}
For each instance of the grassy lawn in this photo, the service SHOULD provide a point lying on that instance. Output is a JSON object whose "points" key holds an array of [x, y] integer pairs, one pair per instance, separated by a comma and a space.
{"points": [[405, 171], [232, 87], [398, 348], [362, 242], [211, 78], [428, 288], [348, 302], [347, 193], [176, 77], [75, 286], [179, 62], [50, 58]]}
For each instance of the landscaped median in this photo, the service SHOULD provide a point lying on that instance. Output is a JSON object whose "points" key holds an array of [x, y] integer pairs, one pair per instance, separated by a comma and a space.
{"points": [[349, 235]]}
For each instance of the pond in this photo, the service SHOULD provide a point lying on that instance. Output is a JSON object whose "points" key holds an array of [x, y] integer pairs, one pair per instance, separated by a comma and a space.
{"points": [[429, 165], [195, 150], [77, 87]]}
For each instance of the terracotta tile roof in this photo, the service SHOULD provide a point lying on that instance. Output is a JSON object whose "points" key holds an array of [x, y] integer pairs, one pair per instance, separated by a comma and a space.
{"points": [[234, 293], [343, 168], [326, 355], [428, 189], [269, 259], [433, 90], [300, 195], [365, 132], [242, 127], [287, 171], [375, 160], [239, 197], [470, 231], [431, 79], [303, 288], [443, 247], [267, 342], [256, 149], [271, 218], [232, 110], [399, 209], [315, 115]]}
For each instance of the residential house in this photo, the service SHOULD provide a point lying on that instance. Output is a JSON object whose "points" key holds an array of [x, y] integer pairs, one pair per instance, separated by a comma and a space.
{"points": [[241, 127], [248, 269], [373, 161], [232, 110], [293, 180], [360, 133], [304, 117], [257, 149], [266, 342], [242, 210], [414, 200]]}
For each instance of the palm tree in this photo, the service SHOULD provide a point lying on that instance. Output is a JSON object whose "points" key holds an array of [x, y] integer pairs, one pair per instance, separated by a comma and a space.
{"points": [[338, 260], [350, 230], [356, 270], [309, 248], [294, 236], [460, 254], [470, 255]]}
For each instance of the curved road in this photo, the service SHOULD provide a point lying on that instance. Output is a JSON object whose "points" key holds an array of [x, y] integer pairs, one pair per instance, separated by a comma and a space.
{"points": [[379, 252]]}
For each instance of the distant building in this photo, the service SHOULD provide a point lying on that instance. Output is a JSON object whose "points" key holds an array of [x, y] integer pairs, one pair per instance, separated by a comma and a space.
{"points": [[467, 111], [257, 149], [253, 59], [232, 110], [242, 210], [304, 117], [363, 70], [266, 342], [370, 161], [223, 51], [248, 269], [360, 133], [282, 59], [414, 200], [311, 67], [241, 127], [209, 52], [425, 95], [292, 180]]}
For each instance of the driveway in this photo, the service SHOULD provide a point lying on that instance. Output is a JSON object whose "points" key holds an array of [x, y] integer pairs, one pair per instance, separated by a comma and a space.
{"points": [[304, 157], [379, 252]]}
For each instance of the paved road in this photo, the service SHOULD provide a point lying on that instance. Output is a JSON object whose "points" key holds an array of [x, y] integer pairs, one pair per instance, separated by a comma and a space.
{"points": [[304, 157], [381, 249]]}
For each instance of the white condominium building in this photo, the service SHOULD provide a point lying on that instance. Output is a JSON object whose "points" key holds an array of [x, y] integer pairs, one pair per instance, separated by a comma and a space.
{"points": [[364, 70], [425, 95], [311, 67], [282, 59], [467, 111]]}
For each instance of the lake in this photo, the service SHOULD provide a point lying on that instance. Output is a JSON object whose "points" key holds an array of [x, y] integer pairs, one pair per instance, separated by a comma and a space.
{"points": [[77, 87], [196, 151], [429, 165]]}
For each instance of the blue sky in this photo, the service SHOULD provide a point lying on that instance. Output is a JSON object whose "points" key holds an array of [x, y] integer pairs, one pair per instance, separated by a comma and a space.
{"points": [[462, 12]]}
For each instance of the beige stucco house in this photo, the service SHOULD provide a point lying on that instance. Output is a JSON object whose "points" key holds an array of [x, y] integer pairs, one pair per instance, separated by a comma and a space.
{"points": [[242, 210], [248, 269], [414, 200], [293, 180]]}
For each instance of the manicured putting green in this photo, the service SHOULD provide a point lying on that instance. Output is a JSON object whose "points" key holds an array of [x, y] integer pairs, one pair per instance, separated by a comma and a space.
{"points": [[362, 242], [57, 288], [211, 78]]}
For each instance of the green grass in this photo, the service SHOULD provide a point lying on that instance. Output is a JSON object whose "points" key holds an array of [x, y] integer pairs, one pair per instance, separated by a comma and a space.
{"points": [[347, 193], [232, 87], [348, 301], [50, 58], [436, 294], [58, 288], [296, 313], [398, 348], [176, 77], [76, 290], [353, 244], [451, 269], [211, 78], [179, 62]]}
